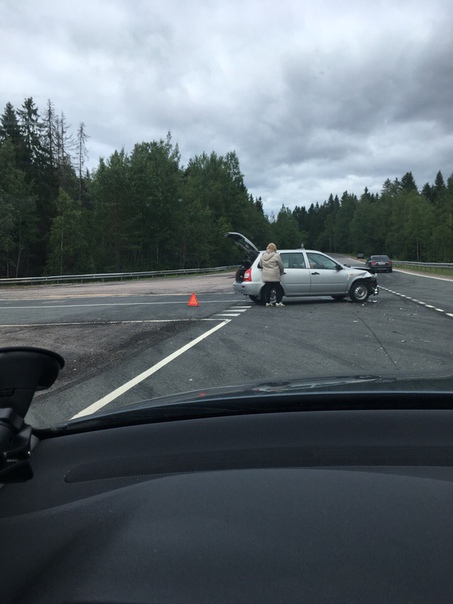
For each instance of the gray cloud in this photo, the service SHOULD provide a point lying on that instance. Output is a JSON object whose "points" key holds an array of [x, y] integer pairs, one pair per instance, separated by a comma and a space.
{"points": [[316, 98]]}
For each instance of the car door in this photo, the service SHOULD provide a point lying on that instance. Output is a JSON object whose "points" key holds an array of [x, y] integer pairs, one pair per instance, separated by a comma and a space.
{"points": [[296, 279], [327, 276]]}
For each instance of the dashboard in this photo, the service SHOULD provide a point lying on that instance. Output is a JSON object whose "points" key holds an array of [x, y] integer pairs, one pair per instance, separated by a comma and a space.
{"points": [[316, 506]]}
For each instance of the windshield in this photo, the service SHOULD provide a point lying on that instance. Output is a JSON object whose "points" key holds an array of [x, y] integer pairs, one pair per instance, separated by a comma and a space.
{"points": [[133, 141]]}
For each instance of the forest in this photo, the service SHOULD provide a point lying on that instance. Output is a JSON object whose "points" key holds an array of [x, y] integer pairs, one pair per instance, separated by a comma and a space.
{"points": [[143, 210]]}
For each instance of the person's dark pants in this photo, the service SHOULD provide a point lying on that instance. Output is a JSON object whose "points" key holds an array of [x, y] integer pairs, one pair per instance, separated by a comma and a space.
{"points": [[268, 287]]}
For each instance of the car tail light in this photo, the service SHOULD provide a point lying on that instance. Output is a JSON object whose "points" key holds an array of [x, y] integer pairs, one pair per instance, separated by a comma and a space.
{"points": [[248, 275]]}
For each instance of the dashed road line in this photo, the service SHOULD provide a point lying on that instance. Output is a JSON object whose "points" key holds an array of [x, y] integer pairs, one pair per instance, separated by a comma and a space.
{"points": [[419, 302]]}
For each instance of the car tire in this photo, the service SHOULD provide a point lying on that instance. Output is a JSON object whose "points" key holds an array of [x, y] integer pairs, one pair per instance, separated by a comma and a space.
{"points": [[359, 291], [257, 300], [338, 297]]}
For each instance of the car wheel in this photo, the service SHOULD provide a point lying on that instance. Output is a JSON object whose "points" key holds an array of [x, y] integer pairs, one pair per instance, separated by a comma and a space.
{"points": [[257, 300], [337, 297], [359, 292]]}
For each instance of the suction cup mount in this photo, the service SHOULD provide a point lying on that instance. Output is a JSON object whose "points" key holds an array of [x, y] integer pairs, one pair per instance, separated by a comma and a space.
{"points": [[23, 371]]}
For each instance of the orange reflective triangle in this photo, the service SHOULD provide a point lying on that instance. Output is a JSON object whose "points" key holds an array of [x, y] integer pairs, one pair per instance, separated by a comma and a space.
{"points": [[193, 300]]}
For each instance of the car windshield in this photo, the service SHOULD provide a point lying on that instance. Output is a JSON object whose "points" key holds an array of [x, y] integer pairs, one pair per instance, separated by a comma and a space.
{"points": [[135, 136]]}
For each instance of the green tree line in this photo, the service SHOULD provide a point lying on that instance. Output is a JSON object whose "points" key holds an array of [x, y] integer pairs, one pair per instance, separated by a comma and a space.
{"points": [[143, 210]]}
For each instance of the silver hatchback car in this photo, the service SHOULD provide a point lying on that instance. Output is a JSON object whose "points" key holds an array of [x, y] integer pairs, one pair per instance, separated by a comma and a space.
{"points": [[307, 273]]}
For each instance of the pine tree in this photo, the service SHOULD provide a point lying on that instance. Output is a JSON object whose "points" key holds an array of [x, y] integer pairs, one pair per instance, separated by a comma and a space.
{"points": [[32, 129], [17, 212], [408, 183], [82, 155]]}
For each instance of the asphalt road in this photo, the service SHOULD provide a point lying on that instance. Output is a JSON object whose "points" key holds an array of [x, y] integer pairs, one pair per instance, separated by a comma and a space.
{"points": [[129, 341]]}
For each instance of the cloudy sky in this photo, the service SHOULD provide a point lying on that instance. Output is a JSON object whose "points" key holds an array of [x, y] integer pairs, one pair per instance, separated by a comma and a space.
{"points": [[315, 97]]}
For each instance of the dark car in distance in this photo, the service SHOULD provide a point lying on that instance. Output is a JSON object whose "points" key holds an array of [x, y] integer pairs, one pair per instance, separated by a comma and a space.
{"points": [[379, 263]]}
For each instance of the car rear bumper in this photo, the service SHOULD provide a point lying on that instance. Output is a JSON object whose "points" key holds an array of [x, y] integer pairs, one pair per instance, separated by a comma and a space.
{"points": [[379, 269], [247, 288]]}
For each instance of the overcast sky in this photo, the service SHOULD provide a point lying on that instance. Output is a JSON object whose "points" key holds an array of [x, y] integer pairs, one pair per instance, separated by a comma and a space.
{"points": [[315, 97]]}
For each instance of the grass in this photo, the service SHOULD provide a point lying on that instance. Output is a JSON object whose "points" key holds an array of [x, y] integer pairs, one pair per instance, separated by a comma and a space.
{"points": [[444, 272]]}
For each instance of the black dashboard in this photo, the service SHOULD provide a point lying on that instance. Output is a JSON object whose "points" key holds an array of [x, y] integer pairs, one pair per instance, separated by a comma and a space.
{"points": [[309, 506]]}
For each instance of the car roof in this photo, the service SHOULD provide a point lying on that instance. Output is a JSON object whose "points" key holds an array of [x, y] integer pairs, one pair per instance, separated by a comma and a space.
{"points": [[252, 252], [299, 249]]}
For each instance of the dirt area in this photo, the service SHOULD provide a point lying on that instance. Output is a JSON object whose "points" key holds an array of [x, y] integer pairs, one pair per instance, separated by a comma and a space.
{"points": [[182, 285], [90, 347]]}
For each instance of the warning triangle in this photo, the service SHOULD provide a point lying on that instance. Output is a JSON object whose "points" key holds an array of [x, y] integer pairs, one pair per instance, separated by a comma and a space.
{"points": [[193, 300]]}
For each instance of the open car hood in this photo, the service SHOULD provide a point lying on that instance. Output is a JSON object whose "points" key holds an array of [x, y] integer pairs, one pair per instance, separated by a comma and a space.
{"points": [[244, 244]]}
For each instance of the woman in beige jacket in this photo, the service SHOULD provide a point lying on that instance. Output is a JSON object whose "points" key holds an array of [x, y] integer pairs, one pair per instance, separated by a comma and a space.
{"points": [[272, 266]]}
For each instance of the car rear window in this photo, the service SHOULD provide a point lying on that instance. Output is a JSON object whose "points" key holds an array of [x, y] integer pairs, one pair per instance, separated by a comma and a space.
{"points": [[293, 260]]}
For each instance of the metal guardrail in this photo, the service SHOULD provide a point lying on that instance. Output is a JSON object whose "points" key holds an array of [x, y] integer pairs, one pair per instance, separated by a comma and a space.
{"points": [[113, 276], [178, 272], [425, 265]]}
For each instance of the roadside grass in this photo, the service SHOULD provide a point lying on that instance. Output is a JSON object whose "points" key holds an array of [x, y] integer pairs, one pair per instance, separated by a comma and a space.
{"points": [[431, 270]]}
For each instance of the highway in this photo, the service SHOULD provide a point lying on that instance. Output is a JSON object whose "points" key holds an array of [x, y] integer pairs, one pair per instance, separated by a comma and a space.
{"points": [[134, 340]]}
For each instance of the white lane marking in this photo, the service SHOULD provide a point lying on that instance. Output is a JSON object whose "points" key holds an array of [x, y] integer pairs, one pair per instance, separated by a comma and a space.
{"points": [[125, 322], [430, 306], [233, 312], [145, 374], [44, 306], [66, 324], [79, 296]]}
